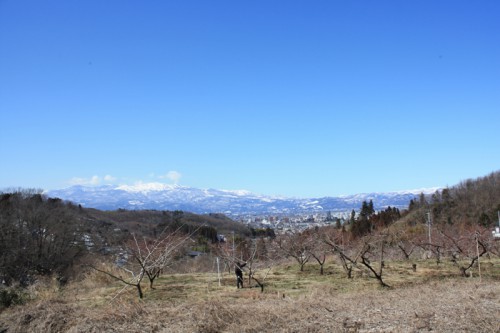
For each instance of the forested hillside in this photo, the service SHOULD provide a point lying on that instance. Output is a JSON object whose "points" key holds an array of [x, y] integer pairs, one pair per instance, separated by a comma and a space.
{"points": [[473, 201], [47, 236]]}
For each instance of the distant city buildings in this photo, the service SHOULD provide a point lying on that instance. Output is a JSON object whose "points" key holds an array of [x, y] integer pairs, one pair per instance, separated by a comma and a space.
{"points": [[296, 222]]}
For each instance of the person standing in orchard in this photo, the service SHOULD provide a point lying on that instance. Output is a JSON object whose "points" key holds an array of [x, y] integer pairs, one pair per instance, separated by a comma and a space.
{"points": [[239, 274]]}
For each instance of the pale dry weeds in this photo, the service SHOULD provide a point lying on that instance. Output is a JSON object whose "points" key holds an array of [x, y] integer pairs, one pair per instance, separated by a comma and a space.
{"points": [[455, 305]]}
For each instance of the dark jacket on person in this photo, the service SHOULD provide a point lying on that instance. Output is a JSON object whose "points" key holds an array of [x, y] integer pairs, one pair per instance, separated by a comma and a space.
{"points": [[238, 267]]}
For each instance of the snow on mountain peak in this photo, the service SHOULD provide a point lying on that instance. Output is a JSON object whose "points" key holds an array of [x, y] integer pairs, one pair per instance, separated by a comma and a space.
{"points": [[425, 191], [162, 196], [238, 192], [148, 187]]}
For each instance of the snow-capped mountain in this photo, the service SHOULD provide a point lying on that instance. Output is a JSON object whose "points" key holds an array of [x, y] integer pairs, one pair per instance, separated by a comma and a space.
{"points": [[174, 197]]}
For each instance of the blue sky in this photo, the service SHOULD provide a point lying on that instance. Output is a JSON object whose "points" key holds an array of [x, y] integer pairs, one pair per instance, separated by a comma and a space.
{"points": [[294, 98]]}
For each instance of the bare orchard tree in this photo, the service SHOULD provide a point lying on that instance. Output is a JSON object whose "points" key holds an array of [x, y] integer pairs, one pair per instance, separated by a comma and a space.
{"points": [[433, 246], [231, 251], [372, 255], [466, 246], [318, 250], [404, 243], [296, 245], [149, 256], [368, 251], [224, 251], [134, 280], [339, 243], [257, 266], [401, 240], [155, 255]]}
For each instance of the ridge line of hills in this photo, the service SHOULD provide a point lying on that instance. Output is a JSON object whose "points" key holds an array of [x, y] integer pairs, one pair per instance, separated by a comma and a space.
{"points": [[160, 196]]}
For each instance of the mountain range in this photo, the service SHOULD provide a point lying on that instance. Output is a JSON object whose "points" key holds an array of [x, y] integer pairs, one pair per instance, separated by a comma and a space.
{"points": [[160, 196]]}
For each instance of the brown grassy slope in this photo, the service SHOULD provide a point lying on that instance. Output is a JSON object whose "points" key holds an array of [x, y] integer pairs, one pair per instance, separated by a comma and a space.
{"points": [[293, 302], [450, 306]]}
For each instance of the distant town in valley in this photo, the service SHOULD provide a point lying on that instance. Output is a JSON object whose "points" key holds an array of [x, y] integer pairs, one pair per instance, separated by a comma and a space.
{"points": [[297, 222]]}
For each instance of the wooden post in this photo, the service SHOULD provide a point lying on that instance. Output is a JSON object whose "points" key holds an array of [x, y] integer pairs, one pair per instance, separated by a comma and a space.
{"points": [[478, 260], [218, 270]]}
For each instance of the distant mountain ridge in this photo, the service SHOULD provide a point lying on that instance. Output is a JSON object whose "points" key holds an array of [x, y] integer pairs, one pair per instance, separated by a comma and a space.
{"points": [[174, 197]]}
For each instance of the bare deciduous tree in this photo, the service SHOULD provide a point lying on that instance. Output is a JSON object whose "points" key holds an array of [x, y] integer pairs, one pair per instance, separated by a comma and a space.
{"points": [[373, 251], [258, 266], [38, 235], [340, 245], [296, 245], [149, 258], [154, 255], [258, 269], [404, 243], [337, 240], [134, 281], [433, 247], [318, 249], [466, 246]]}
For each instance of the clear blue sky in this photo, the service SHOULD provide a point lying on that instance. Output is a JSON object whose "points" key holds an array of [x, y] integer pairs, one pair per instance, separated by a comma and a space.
{"points": [[294, 98]]}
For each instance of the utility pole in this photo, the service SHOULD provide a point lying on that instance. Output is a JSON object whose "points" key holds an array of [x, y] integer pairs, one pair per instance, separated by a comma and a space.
{"points": [[218, 270], [477, 251]]}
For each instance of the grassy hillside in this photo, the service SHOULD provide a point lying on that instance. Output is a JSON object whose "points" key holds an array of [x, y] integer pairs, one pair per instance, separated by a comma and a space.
{"points": [[431, 299]]}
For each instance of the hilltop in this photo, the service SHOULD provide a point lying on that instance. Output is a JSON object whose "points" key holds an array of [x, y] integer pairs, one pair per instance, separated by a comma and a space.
{"points": [[174, 197]]}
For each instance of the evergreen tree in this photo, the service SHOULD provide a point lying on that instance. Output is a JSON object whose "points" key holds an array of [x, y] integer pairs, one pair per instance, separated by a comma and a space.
{"points": [[367, 209], [362, 225], [423, 201], [412, 205], [353, 217], [371, 210]]}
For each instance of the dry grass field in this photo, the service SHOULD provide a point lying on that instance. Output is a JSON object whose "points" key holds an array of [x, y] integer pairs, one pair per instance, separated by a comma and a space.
{"points": [[434, 298]]}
